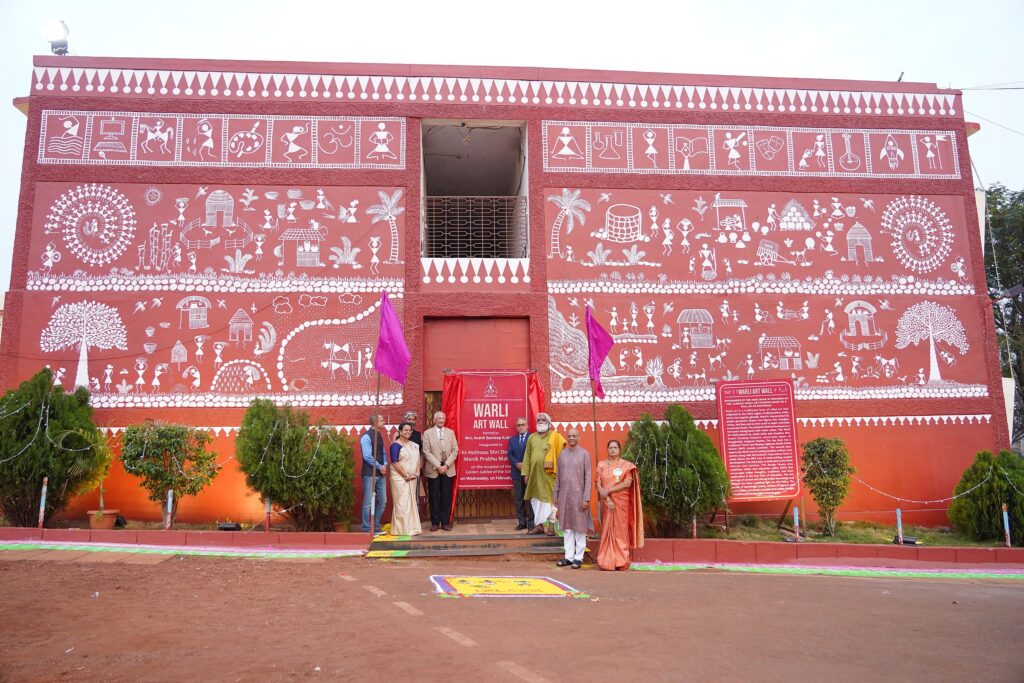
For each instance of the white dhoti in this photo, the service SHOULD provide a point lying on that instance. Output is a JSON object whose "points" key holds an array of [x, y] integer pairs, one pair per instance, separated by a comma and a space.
{"points": [[542, 510], [575, 543]]}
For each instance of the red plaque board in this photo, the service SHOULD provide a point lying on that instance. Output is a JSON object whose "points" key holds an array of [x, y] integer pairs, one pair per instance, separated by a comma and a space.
{"points": [[757, 427], [488, 403]]}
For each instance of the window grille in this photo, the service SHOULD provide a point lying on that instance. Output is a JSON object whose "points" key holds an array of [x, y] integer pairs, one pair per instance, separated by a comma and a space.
{"points": [[476, 227]]}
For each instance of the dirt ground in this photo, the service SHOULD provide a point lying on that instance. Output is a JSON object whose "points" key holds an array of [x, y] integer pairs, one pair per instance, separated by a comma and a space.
{"points": [[202, 618]]}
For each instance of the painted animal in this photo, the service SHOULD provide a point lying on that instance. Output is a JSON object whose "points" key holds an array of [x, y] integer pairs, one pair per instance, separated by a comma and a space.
{"points": [[156, 133]]}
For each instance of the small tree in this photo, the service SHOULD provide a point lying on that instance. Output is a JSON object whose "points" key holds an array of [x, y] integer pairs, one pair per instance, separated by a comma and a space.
{"points": [[45, 432], [681, 473], [169, 457], [826, 472], [308, 472], [991, 481]]}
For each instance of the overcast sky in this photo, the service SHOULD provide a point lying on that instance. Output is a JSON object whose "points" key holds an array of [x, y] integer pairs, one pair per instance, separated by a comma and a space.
{"points": [[958, 44]]}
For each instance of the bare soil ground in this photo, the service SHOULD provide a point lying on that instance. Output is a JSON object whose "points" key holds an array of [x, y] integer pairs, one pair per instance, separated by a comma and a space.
{"points": [[80, 616]]}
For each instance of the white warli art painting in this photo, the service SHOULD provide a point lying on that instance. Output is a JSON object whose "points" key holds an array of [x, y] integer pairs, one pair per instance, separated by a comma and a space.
{"points": [[825, 290], [160, 296], [118, 138], [611, 147]]}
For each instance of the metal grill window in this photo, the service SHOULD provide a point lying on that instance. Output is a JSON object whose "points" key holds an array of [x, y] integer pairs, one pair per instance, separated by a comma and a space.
{"points": [[480, 227]]}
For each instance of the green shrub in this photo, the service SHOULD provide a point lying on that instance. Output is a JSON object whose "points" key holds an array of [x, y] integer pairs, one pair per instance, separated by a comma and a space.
{"points": [[681, 473], [169, 457], [826, 472], [992, 481], [45, 432], [307, 472]]}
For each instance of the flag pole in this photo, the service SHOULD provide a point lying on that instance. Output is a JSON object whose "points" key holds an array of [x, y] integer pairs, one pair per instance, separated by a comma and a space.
{"points": [[373, 492], [597, 450]]}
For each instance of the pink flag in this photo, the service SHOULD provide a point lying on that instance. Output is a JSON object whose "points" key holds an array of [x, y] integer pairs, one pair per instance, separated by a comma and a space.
{"points": [[392, 357], [599, 343]]}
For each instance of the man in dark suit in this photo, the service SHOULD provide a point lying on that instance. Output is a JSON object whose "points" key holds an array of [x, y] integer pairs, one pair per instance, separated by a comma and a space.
{"points": [[516, 450]]}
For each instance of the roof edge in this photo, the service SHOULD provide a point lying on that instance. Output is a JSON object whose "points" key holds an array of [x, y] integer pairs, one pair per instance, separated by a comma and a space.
{"points": [[507, 72]]}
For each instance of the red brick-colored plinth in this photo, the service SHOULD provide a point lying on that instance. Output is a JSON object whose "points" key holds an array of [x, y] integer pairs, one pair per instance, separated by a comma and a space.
{"points": [[736, 551], [113, 536], [161, 537], [945, 555], [693, 551], [975, 555], [816, 550], [775, 553], [66, 535]]}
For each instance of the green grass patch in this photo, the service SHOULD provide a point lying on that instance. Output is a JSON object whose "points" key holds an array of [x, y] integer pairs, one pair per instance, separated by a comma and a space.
{"points": [[753, 528]]}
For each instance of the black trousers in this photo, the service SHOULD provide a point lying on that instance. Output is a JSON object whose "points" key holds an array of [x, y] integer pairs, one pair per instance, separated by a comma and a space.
{"points": [[439, 490], [524, 510]]}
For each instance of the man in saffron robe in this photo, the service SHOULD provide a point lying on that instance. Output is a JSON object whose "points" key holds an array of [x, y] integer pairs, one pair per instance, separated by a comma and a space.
{"points": [[622, 521], [540, 462], [572, 498]]}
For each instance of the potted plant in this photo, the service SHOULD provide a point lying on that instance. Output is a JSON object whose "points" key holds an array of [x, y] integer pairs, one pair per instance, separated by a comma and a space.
{"points": [[102, 518]]}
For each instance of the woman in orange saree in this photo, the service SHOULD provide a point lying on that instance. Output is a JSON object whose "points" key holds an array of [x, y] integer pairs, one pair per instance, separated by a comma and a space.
{"points": [[622, 524]]}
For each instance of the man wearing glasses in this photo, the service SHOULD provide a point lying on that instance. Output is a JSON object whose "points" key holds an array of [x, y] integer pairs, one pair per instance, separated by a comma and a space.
{"points": [[539, 466], [516, 451]]}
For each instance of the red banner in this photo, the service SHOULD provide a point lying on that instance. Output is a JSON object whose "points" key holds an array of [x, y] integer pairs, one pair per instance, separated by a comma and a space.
{"points": [[482, 407], [757, 427]]}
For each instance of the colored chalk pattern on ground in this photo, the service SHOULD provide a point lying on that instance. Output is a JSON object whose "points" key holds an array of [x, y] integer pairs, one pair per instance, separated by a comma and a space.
{"points": [[503, 587], [839, 570], [208, 551]]}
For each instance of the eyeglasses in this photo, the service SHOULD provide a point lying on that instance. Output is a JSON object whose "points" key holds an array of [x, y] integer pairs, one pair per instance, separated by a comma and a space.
{"points": [[520, 424]]}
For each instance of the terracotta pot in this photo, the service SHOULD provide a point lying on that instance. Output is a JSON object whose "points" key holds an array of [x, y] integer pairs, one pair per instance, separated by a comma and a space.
{"points": [[103, 521]]}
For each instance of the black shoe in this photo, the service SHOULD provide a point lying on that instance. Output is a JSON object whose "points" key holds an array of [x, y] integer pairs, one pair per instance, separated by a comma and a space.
{"points": [[563, 563], [446, 527], [520, 527], [576, 564]]}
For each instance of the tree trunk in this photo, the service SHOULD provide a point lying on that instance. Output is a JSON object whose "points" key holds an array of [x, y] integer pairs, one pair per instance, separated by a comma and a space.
{"points": [[394, 240], [82, 375], [933, 369], [556, 229]]}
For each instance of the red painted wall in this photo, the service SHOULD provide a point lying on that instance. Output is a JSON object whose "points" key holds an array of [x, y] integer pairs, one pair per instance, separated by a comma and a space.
{"points": [[322, 137]]}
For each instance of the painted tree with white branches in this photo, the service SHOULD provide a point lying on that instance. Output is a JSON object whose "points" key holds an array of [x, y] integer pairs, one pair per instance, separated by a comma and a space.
{"points": [[84, 324], [388, 210], [936, 323], [570, 207]]}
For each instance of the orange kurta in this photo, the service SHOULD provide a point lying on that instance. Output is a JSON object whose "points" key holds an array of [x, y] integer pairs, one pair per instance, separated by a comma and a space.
{"points": [[622, 527]]}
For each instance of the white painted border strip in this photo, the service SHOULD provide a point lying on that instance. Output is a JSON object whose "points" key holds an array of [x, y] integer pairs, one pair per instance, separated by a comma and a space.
{"points": [[151, 84], [620, 425]]}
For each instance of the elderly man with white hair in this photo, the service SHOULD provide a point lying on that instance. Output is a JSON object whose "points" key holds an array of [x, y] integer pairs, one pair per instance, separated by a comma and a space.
{"points": [[540, 463]]}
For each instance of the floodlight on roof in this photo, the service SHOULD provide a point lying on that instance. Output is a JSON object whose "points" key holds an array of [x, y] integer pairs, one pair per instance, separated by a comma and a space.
{"points": [[56, 33]]}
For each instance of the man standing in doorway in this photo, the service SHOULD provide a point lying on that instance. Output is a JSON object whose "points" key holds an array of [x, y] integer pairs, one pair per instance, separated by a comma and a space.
{"points": [[572, 498], [440, 449], [516, 450], [372, 445]]}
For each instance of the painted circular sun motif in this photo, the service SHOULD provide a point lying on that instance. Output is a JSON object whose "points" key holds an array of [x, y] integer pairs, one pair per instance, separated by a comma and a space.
{"points": [[153, 195], [98, 223], [922, 235]]}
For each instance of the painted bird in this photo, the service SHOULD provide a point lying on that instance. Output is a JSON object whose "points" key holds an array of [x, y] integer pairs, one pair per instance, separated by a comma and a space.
{"points": [[221, 303], [666, 198], [605, 197], [868, 203], [139, 307], [201, 192], [156, 302]]}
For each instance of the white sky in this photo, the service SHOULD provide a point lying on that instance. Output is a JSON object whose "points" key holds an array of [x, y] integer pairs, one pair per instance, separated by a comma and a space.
{"points": [[959, 44]]}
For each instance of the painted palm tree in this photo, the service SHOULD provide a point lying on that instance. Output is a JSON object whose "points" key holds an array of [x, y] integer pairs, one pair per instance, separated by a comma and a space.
{"points": [[388, 210], [570, 206]]}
